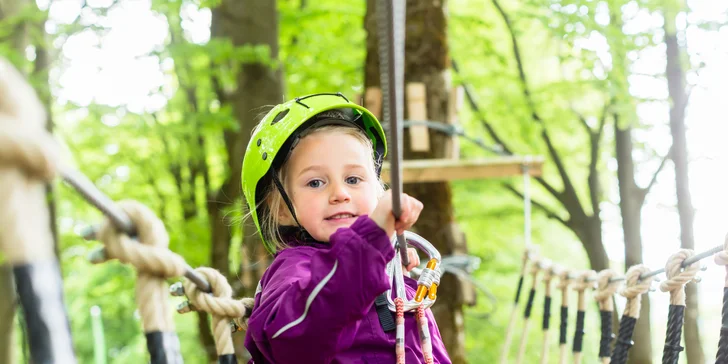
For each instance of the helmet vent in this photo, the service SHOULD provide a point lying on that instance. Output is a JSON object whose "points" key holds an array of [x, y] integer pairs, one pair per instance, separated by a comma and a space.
{"points": [[280, 116]]}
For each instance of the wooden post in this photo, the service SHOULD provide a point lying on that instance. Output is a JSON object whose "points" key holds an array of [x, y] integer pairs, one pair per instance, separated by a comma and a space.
{"points": [[417, 111], [454, 104], [373, 101]]}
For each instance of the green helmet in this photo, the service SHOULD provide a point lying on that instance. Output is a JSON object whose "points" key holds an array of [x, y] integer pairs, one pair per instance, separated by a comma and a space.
{"points": [[278, 132]]}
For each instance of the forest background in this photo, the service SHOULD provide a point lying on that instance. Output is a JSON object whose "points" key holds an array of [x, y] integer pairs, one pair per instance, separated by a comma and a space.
{"points": [[154, 99]]}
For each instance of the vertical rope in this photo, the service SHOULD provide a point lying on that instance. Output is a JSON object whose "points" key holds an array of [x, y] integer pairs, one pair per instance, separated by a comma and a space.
{"points": [[425, 339], [603, 296], [677, 278], [722, 259], [633, 290], [152, 270], [583, 281], [564, 282], [28, 160], [512, 321], [399, 338], [535, 269], [548, 274]]}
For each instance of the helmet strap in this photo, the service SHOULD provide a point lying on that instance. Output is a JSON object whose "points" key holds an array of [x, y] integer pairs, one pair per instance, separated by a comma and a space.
{"points": [[287, 200]]}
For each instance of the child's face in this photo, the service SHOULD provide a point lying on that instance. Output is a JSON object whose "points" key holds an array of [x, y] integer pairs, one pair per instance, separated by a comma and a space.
{"points": [[331, 181]]}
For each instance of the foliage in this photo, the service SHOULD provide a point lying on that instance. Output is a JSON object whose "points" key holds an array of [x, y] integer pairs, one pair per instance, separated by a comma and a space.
{"points": [[153, 153]]}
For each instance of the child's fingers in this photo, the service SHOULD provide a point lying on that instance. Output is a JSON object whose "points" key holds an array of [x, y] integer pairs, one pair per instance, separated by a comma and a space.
{"points": [[414, 259]]}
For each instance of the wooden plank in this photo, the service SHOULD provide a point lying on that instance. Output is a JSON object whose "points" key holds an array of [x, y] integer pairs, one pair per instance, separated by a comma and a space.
{"points": [[373, 101], [419, 135], [438, 170], [454, 104]]}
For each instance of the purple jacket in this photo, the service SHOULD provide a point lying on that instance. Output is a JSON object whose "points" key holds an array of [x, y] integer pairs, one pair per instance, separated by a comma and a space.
{"points": [[317, 304]]}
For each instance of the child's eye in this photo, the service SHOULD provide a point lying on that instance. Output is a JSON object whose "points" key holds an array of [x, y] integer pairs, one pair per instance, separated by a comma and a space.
{"points": [[316, 183], [353, 180]]}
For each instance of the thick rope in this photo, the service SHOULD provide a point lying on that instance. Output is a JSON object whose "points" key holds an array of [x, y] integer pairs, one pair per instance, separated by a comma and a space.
{"points": [[425, 338], [722, 259], [28, 159], [604, 294], [563, 286], [512, 321], [219, 304], [548, 275], [399, 342], [583, 281], [677, 277], [633, 290], [535, 269], [152, 260]]}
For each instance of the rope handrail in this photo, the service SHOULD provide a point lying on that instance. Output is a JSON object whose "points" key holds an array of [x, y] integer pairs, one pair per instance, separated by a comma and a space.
{"points": [[116, 215]]}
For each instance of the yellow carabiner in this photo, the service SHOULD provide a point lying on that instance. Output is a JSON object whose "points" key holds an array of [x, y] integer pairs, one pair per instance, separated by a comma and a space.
{"points": [[422, 289]]}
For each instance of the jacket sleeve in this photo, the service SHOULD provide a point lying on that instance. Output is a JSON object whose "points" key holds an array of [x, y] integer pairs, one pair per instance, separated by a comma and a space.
{"points": [[313, 302]]}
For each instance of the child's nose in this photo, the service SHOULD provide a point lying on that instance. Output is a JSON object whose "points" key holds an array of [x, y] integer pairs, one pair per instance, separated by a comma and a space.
{"points": [[339, 193]]}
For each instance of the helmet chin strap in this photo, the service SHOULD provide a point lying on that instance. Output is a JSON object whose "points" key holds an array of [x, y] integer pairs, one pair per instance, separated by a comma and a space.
{"points": [[302, 233]]}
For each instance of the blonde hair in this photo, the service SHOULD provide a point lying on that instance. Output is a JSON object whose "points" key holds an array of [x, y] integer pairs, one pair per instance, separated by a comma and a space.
{"points": [[273, 203]]}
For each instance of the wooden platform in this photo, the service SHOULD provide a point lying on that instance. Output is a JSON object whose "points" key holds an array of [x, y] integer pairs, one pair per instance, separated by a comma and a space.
{"points": [[436, 170]]}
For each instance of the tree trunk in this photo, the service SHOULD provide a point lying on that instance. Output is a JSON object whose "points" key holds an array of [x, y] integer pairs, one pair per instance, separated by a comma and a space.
{"points": [[678, 98], [426, 61], [246, 23], [631, 199]]}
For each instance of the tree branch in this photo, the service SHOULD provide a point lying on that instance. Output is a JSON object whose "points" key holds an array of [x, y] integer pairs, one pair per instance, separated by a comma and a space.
{"points": [[644, 191], [496, 138], [549, 213], [595, 144], [486, 124], [568, 197]]}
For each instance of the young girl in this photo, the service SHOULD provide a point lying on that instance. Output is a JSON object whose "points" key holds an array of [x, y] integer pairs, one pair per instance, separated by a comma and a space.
{"points": [[311, 180]]}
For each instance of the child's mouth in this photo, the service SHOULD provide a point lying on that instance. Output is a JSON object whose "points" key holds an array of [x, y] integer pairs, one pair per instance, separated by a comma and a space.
{"points": [[338, 217]]}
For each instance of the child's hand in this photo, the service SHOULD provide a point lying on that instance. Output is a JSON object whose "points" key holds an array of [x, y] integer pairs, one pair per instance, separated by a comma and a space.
{"points": [[414, 259], [382, 215]]}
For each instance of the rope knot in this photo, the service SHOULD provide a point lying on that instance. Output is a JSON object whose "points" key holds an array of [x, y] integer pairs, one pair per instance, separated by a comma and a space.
{"points": [[220, 304], [25, 144], [677, 277], [722, 257], [634, 288], [584, 280], [564, 279], [606, 289], [151, 256]]}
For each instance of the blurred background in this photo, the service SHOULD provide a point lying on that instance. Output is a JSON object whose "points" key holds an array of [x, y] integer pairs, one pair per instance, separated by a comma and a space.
{"points": [[624, 100]]}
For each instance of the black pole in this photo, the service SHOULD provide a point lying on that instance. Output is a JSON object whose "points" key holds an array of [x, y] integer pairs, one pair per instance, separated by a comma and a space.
{"points": [[605, 343], [579, 332], [40, 291], [675, 317], [563, 325], [722, 355], [163, 347], [624, 340]]}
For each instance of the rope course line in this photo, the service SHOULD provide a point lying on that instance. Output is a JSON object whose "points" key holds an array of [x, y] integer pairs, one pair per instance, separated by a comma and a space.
{"points": [[535, 270], [633, 290], [565, 281], [582, 282], [604, 294], [677, 278], [390, 22], [548, 275]]}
